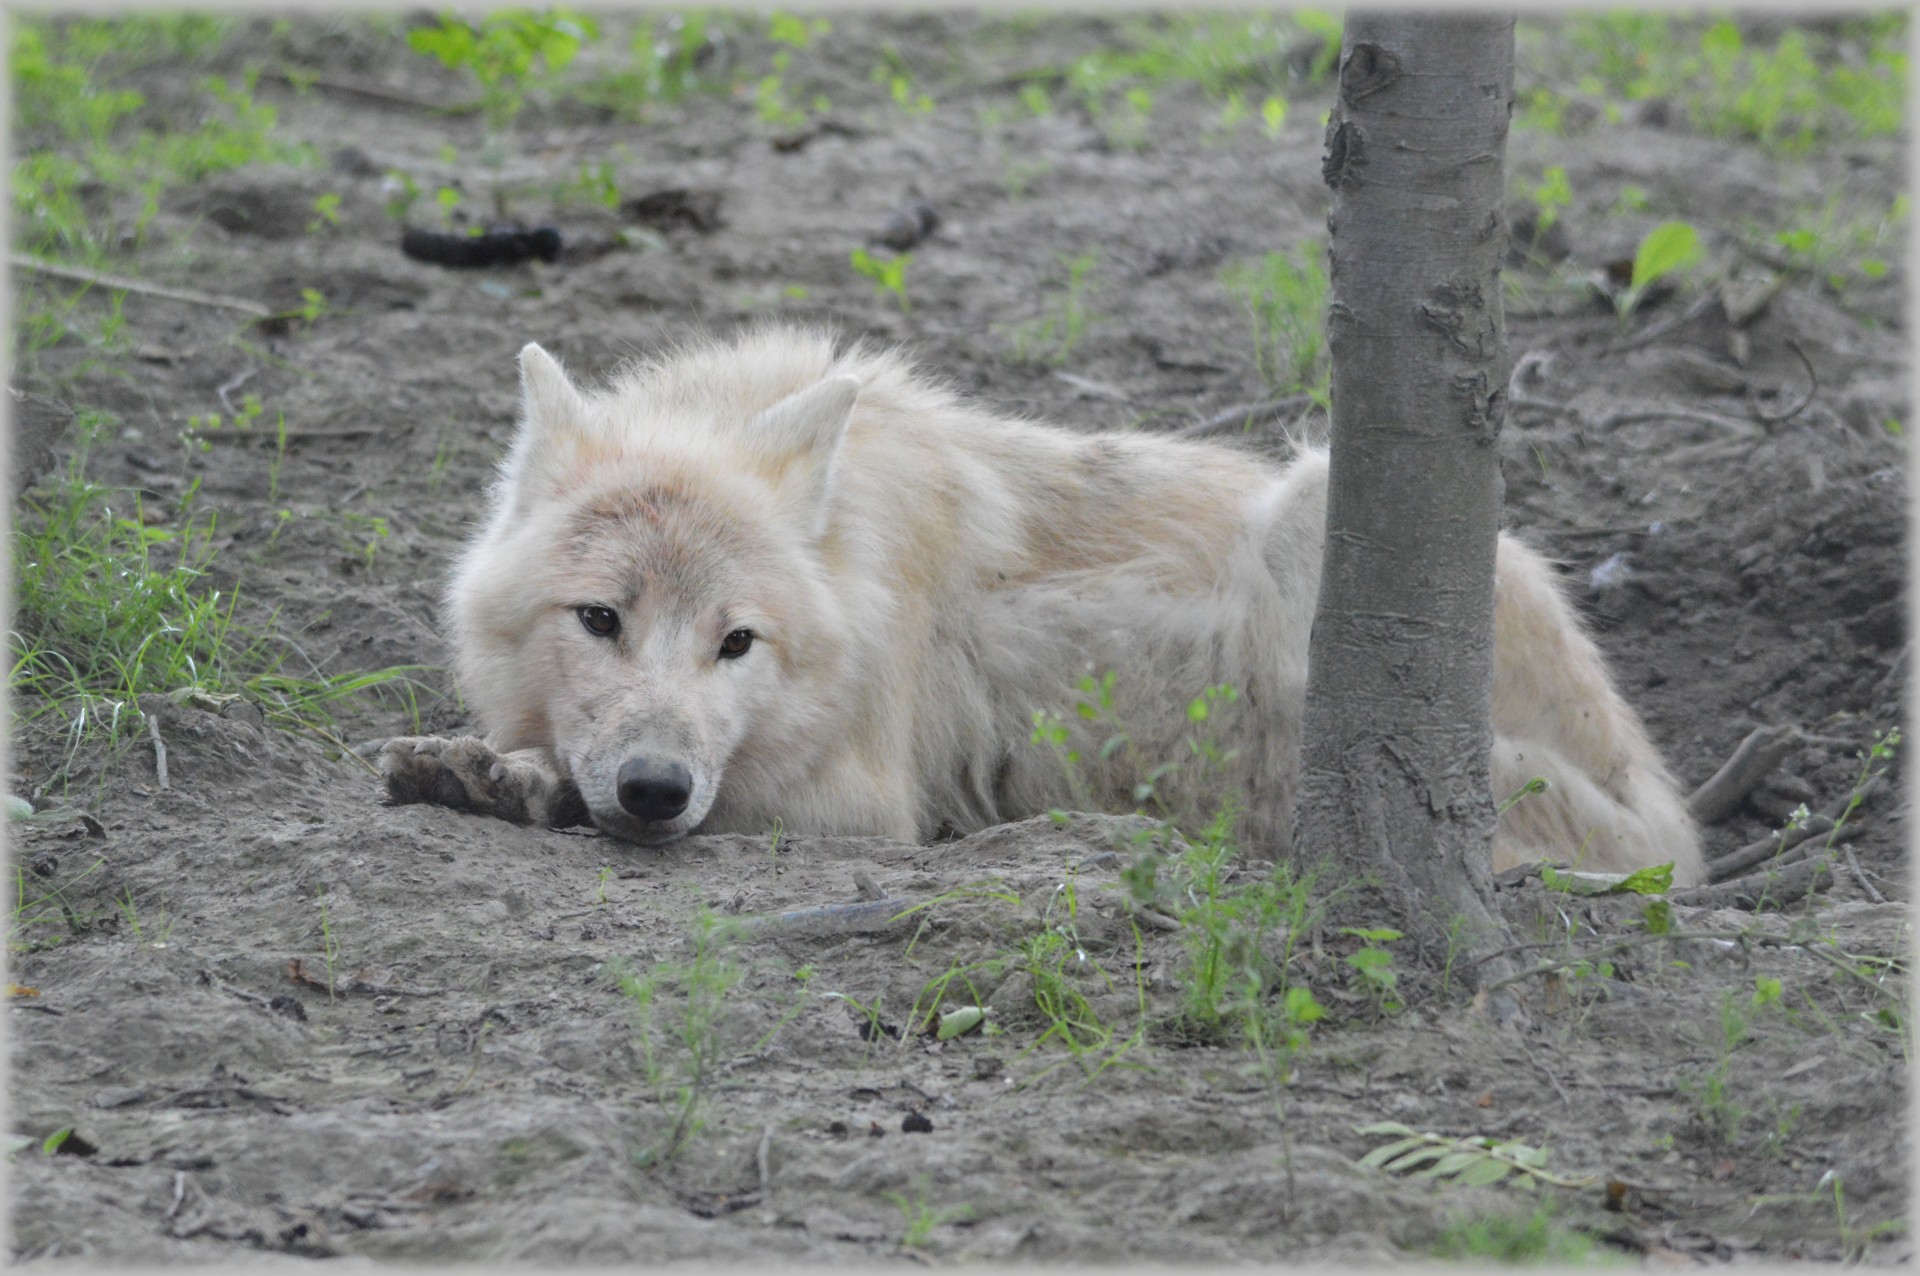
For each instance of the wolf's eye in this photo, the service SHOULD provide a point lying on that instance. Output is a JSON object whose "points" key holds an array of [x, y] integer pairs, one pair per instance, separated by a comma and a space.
{"points": [[735, 644], [601, 622]]}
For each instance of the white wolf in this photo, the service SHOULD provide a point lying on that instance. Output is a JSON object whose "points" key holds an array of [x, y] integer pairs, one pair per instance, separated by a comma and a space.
{"points": [[772, 579]]}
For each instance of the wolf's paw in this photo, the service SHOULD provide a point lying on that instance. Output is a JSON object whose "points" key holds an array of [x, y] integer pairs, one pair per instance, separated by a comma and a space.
{"points": [[463, 773]]}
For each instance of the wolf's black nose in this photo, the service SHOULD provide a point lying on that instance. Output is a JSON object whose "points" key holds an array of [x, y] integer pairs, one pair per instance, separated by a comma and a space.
{"points": [[654, 791]]}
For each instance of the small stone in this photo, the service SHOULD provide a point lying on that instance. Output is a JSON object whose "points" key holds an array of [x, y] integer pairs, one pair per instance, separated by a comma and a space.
{"points": [[916, 1123]]}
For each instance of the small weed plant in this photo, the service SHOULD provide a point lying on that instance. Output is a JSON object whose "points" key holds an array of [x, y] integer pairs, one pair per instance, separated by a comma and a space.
{"points": [[1711, 1088], [685, 1032], [1667, 249], [773, 95], [1051, 337], [920, 1218], [1285, 298], [508, 52], [667, 56], [888, 275]]}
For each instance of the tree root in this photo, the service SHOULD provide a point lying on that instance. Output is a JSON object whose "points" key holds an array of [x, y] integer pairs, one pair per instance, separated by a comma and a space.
{"points": [[1758, 754]]}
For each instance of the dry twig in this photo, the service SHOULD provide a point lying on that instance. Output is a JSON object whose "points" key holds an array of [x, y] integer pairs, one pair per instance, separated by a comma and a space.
{"points": [[1813, 384], [121, 283], [159, 750], [1245, 416]]}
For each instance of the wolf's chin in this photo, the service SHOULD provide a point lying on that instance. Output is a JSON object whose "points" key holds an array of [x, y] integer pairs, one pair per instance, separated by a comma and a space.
{"points": [[628, 830]]}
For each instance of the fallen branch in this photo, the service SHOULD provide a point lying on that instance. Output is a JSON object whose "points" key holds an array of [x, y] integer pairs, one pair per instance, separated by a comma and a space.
{"points": [[1737, 862], [120, 283], [1758, 754], [1835, 823], [1769, 889]]}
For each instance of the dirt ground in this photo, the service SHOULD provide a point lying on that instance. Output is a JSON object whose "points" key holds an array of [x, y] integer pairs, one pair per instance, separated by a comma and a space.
{"points": [[474, 1084]]}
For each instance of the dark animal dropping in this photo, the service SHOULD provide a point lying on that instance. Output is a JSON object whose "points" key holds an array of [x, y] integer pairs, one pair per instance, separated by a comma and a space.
{"points": [[496, 246]]}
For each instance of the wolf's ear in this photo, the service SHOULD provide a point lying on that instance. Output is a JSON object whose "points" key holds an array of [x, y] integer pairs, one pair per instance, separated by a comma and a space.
{"points": [[809, 425], [549, 397], [808, 422]]}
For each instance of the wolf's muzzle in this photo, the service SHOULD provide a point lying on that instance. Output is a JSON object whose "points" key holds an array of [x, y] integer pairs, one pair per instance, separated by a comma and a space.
{"points": [[654, 791]]}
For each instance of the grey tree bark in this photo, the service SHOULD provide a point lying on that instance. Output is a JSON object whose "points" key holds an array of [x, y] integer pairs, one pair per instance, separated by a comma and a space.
{"points": [[1394, 764]]}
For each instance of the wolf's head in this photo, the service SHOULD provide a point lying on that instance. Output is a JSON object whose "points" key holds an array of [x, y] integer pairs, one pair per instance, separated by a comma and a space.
{"points": [[648, 599]]}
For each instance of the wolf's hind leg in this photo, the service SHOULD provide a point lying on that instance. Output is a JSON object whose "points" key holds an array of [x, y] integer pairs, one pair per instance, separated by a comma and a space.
{"points": [[463, 773]]}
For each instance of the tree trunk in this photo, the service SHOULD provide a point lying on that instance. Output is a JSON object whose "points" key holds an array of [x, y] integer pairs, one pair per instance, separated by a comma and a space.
{"points": [[1397, 734]]}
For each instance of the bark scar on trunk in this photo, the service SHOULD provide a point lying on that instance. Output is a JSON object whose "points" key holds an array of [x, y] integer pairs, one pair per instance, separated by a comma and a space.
{"points": [[1346, 156], [1367, 70]]}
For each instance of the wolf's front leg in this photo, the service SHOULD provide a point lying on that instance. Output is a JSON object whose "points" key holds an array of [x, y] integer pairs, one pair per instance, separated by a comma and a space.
{"points": [[463, 773]]}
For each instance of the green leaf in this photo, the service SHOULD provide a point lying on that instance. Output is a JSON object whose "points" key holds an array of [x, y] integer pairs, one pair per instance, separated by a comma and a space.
{"points": [[1647, 881], [1387, 1151], [55, 1139], [1668, 247], [1419, 1157], [959, 1022], [1450, 1164], [1656, 879], [1487, 1172], [1303, 1007]]}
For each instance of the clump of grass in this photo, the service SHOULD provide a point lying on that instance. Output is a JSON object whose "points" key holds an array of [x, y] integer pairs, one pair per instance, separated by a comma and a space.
{"points": [[45, 914], [1535, 1236], [1285, 297], [1789, 93], [76, 126], [1240, 929], [1229, 58], [111, 603]]}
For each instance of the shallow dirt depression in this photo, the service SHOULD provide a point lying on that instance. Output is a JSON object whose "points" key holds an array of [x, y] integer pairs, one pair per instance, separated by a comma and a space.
{"points": [[278, 1017]]}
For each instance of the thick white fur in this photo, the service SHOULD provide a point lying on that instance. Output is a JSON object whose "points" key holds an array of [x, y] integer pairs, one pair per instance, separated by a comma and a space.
{"points": [[920, 577]]}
